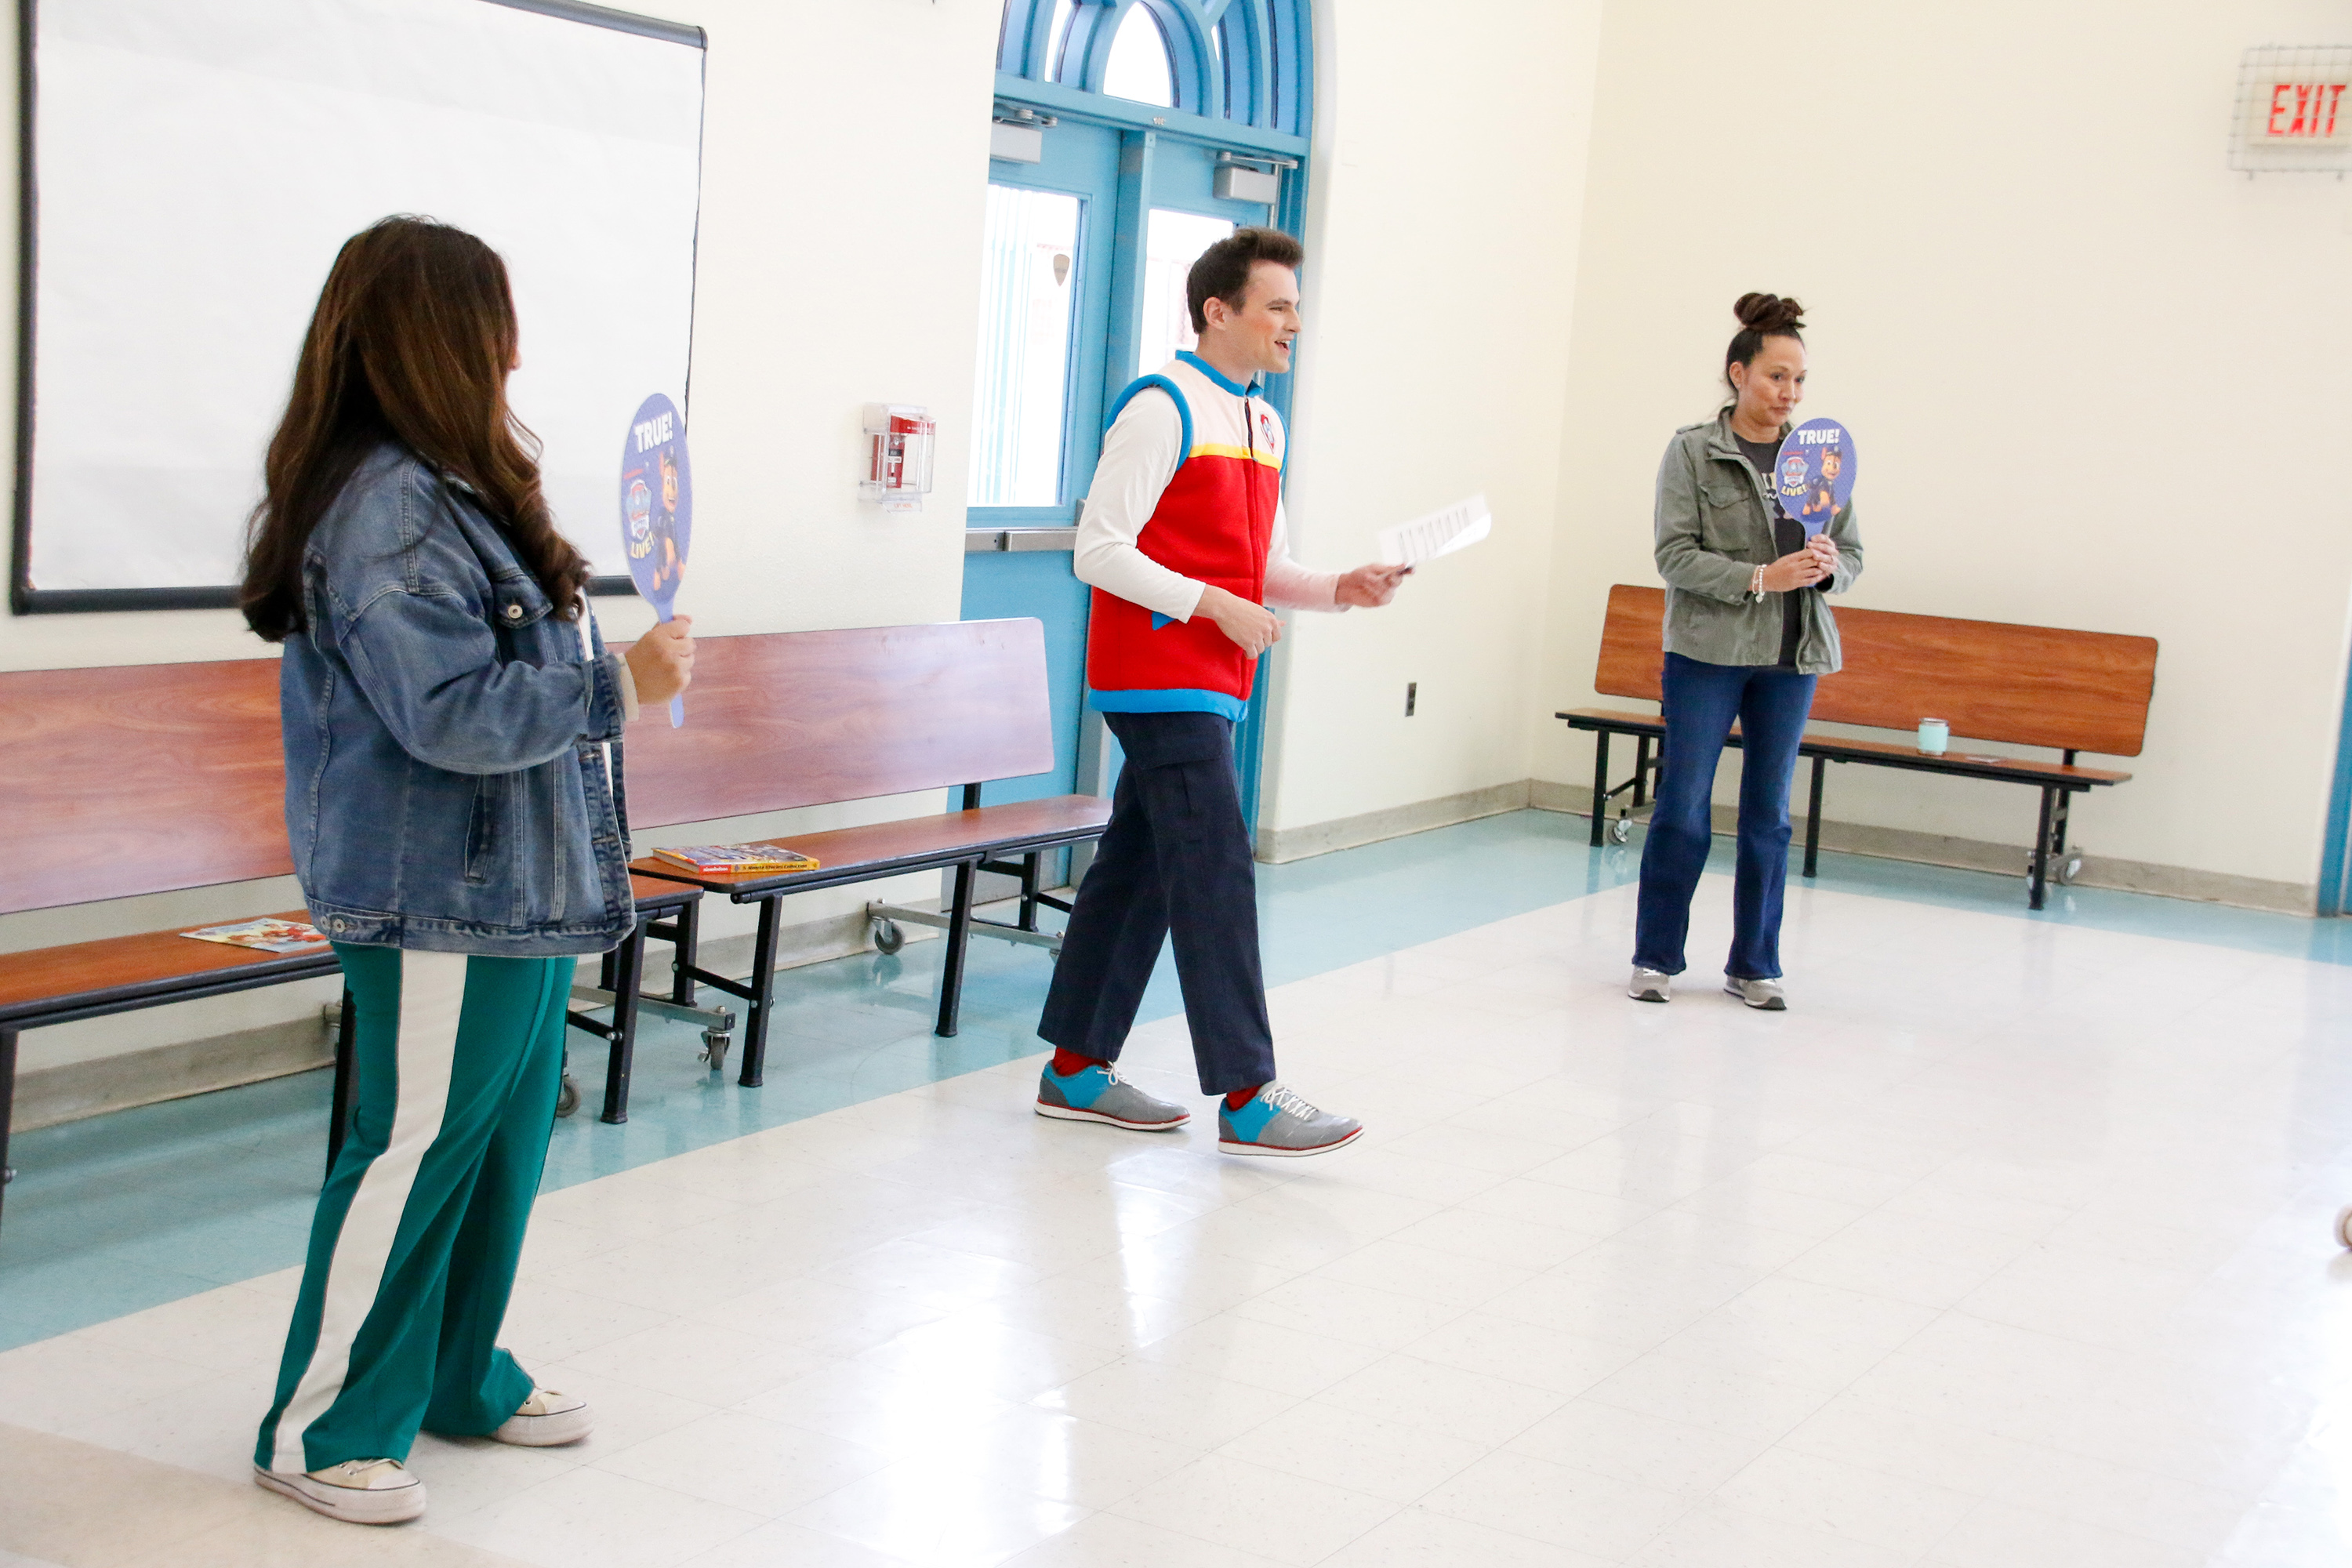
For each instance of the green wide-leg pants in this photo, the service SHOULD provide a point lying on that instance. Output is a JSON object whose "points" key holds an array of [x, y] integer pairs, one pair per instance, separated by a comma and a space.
{"points": [[419, 1226]]}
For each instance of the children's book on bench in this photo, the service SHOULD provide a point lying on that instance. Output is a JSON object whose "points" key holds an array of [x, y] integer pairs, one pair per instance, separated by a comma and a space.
{"points": [[268, 936], [718, 859]]}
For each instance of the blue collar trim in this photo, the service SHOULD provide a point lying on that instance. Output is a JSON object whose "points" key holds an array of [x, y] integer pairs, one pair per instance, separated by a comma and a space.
{"points": [[1218, 376]]}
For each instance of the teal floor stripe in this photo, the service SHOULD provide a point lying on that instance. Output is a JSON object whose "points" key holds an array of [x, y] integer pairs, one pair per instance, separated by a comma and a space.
{"points": [[121, 1212]]}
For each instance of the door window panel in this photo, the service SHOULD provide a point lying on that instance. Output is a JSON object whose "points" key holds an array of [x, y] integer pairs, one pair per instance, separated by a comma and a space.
{"points": [[1061, 28], [1138, 67], [1172, 244], [1028, 279]]}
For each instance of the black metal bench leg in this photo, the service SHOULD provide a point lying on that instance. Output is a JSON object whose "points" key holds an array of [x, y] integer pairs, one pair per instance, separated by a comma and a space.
{"points": [[959, 934], [2066, 809], [1640, 772], [683, 953], [339, 1118], [762, 988], [2038, 881], [1813, 820], [1029, 878], [1599, 783], [7, 1107], [627, 964]]}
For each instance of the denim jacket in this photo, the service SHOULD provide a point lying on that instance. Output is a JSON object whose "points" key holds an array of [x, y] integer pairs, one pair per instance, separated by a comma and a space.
{"points": [[446, 787], [1714, 529]]}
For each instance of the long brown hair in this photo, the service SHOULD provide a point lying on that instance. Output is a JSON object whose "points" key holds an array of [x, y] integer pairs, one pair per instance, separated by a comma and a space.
{"points": [[411, 343]]}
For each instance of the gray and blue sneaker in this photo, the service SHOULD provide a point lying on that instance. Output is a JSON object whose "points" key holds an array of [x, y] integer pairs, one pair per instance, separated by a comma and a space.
{"points": [[1278, 1123], [1098, 1094]]}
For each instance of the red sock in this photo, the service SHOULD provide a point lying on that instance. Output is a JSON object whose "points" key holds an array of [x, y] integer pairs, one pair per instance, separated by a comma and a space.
{"points": [[1241, 1097], [1066, 1062]]}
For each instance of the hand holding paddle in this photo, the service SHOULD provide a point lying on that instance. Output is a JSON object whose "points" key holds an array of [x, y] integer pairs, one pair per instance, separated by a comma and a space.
{"points": [[662, 661], [657, 528]]}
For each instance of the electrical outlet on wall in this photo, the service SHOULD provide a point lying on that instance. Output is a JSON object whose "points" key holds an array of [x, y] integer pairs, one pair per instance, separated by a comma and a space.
{"points": [[1412, 692]]}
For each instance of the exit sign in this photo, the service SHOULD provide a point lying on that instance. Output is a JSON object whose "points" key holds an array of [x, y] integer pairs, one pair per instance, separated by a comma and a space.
{"points": [[2304, 111], [2295, 109]]}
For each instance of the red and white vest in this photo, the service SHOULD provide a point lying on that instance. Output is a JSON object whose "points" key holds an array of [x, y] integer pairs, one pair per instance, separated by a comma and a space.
{"points": [[1214, 523]]}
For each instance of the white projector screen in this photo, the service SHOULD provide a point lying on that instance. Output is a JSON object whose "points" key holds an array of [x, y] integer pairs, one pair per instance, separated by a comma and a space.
{"points": [[193, 166]]}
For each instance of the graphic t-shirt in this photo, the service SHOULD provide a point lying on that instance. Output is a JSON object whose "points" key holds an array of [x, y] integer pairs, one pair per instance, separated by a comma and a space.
{"points": [[1788, 537]]}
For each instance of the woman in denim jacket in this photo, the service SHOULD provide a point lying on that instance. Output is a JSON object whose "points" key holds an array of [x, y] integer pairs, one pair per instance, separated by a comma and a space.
{"points": [[454, 800], [1747, 633]]}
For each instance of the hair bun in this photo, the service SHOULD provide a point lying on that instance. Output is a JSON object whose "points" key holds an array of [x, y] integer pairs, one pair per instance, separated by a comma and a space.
{"points": [[1768, 314]]}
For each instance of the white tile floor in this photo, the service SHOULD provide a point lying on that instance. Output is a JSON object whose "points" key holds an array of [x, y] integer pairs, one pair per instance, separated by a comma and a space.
{"points": [[2008, 1247]]}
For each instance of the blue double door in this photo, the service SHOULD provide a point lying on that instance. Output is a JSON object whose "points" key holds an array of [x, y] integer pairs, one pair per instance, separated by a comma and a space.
{"points": [[1083, 291]]}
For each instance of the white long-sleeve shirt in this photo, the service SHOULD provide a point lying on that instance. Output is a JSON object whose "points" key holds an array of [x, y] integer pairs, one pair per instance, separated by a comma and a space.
{"points": [[1140, 454]]}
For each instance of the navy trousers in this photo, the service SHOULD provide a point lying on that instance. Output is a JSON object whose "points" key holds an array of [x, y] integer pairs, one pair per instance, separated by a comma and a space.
{"points": [[1175, 861], [1701, 701]]}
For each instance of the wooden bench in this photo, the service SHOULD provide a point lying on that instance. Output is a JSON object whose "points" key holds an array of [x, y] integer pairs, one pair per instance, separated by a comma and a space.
{"points": [[2011, 685], [799, 719], [150, 778]]}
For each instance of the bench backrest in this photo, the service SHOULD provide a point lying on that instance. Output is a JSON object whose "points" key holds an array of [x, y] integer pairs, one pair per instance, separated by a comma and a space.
{"points": [[791, 719], [146, 778], [1990, 681], [138, 779]]}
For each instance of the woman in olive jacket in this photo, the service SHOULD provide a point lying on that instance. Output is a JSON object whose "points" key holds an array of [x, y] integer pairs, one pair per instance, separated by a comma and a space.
{"points": [[1746, 633]]}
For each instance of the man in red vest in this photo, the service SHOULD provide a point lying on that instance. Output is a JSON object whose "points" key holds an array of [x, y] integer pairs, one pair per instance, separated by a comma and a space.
{"points": [[1183, 540]]}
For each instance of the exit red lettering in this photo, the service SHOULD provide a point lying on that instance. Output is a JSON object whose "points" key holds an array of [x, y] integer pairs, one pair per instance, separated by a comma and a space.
{"points": [[2305, 110]]}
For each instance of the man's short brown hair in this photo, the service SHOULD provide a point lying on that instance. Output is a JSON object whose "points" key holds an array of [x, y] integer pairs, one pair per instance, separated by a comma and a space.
{"points": [[1223, 272]]}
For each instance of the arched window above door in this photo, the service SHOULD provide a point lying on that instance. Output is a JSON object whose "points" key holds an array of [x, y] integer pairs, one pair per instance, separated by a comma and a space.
{"points": [[1242, 62]]}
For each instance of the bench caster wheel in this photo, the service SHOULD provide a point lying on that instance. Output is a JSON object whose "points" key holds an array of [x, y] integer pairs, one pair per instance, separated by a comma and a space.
{"points": [[2070, 868], [714, 1049], [887, 938], [567, 1099], [1621, 830]]}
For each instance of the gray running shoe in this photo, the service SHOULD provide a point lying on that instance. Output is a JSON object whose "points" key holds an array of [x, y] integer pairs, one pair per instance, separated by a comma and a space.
{"points": [[1764, 995], [1651, 985], [1278, 1123], [1098, 1094]]}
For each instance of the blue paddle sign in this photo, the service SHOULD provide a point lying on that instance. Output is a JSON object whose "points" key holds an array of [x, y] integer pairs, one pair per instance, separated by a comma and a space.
{"points": [[1813, 475], [657, 509]]}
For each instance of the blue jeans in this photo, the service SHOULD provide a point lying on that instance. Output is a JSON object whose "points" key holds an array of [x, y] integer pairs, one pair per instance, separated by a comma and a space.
{"points": [[1701, 702]]}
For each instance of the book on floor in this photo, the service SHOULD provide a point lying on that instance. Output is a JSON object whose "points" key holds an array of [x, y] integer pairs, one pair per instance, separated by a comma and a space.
{"points": [[718, 859], [269, 936]]}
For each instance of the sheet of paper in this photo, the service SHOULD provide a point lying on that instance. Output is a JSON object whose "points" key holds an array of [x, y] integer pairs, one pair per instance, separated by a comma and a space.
{"points": [[1458, 527]]}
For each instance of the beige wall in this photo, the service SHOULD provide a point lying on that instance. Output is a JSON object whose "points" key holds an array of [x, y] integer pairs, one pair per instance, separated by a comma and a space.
{"points": [[2096, 378], [1442, 258], [837, 265], [2013, 226]]}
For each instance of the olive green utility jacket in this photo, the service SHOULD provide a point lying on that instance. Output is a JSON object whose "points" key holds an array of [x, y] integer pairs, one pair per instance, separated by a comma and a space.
{"points": [[1715, 528]]}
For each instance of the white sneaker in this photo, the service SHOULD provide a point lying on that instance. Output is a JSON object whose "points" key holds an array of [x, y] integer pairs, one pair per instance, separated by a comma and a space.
{"points": [[548, 1419], [1651, 985], [2343, 1227], [357, 1491], [1765, 995]]}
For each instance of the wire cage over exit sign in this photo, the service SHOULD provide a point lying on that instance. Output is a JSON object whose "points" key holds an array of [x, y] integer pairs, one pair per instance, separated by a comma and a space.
{"points": [[2294, 110]]}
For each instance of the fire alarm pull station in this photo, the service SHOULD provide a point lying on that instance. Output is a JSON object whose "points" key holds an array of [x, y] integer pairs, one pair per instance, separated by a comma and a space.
{"points": [[898, 437]]}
